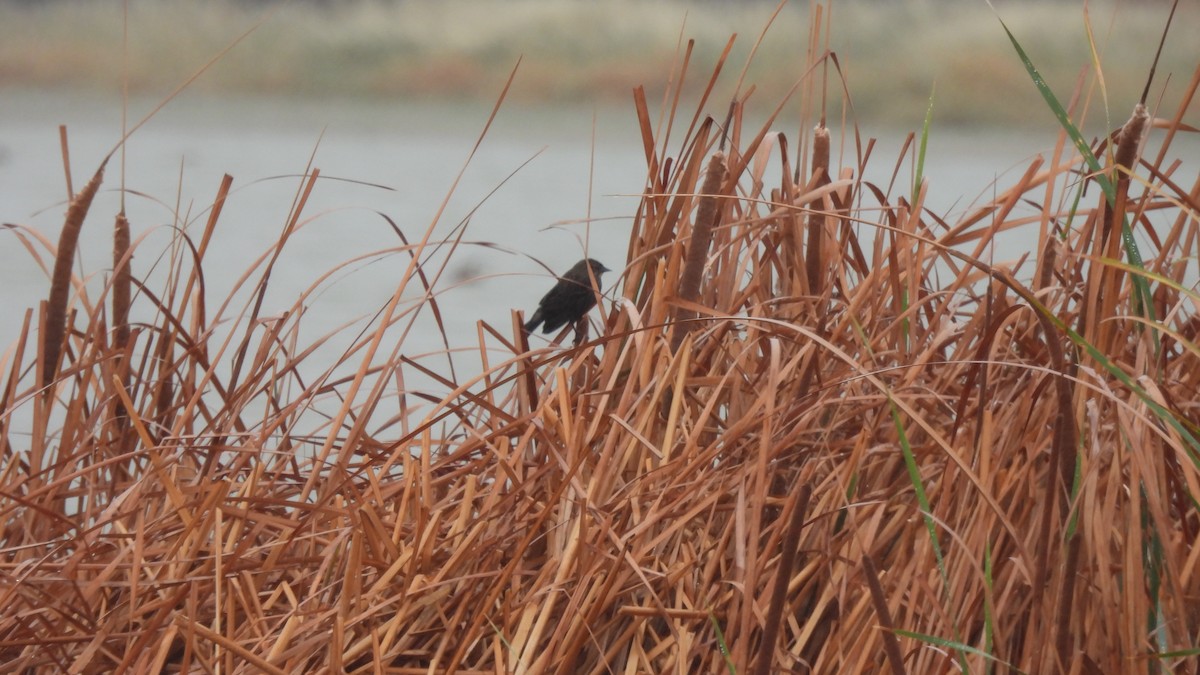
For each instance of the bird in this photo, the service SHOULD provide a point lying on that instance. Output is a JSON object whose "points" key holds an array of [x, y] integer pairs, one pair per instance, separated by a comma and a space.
{"points": [[571, 298]]}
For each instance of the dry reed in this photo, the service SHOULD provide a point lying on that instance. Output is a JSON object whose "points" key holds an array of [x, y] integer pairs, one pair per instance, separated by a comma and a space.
{"points": [[874, 451]]}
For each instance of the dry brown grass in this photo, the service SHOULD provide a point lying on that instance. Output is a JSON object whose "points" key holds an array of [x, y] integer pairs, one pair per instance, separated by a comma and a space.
{"points": [[873, 448]]}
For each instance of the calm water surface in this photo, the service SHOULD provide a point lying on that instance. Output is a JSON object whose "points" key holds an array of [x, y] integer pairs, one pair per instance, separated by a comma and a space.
{"points": [[543, 184]]}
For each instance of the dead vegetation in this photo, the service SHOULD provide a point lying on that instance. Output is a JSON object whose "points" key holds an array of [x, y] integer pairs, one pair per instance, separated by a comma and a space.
{"points": [[851, 441]]}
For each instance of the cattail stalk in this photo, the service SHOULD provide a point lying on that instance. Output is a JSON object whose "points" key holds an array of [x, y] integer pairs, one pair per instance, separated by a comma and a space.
{"points": [[60, 281], [816, 221], [707, 216], [122, 282]]}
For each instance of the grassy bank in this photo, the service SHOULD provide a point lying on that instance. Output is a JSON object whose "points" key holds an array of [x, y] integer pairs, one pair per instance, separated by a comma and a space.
{"points": [[812, 428], [587, 51]]}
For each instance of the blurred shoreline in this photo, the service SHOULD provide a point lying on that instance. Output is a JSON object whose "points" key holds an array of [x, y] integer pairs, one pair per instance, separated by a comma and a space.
{"points": [[892, 55]]}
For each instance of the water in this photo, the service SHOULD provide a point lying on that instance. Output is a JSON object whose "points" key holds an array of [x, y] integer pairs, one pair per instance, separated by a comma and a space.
{"points": [[525, 195], [536, 162]]}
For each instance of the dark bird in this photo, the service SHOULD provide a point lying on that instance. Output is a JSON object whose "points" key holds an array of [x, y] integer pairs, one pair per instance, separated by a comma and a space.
{"points": [[571, 298]]}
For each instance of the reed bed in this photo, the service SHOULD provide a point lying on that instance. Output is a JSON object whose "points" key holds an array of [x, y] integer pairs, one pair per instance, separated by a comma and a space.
{"points": [[816, 428]]}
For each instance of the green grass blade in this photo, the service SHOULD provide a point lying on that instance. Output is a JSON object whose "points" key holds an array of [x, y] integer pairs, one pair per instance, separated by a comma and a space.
{"points": [[914, 476], [958, 646], [1144, 304], [722, 646], [920, 174]]}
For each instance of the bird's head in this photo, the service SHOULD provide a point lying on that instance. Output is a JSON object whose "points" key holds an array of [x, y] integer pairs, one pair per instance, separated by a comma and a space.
{"points": [[598, 267]]}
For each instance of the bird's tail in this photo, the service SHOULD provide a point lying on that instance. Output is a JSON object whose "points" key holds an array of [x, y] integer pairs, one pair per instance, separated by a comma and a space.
{"points": [[532, 324]]}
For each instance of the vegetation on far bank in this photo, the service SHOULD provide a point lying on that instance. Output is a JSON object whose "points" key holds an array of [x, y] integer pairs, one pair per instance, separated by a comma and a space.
{"points": [[587, 51]]}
